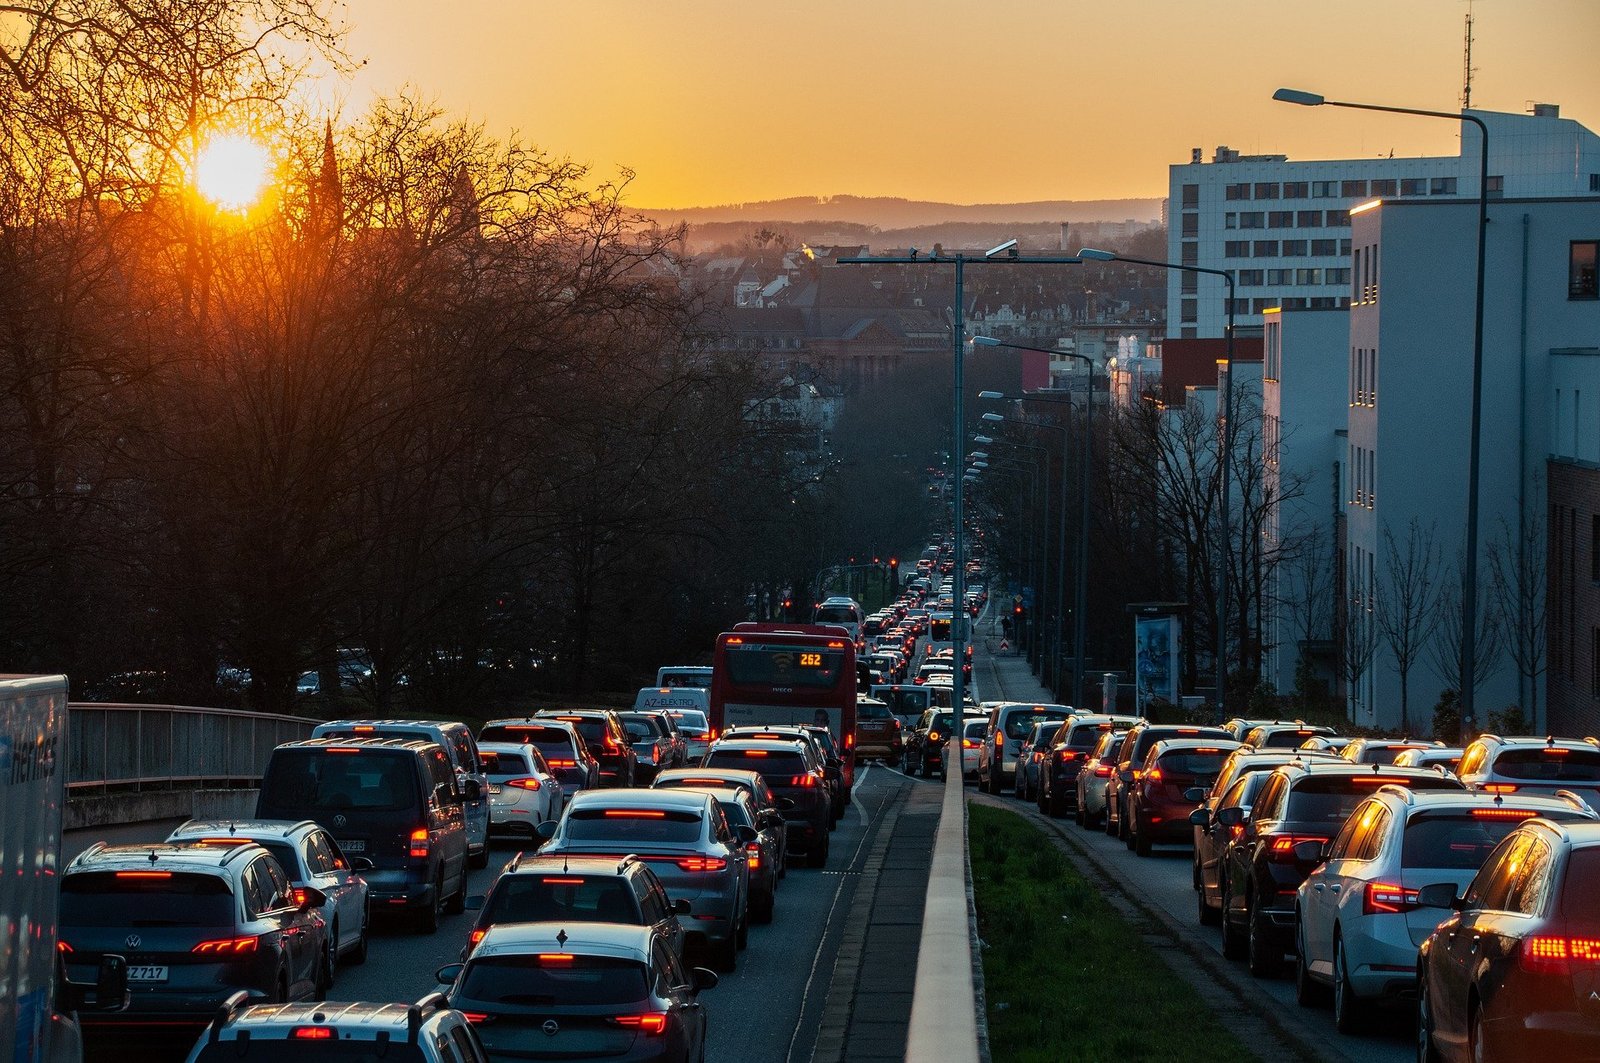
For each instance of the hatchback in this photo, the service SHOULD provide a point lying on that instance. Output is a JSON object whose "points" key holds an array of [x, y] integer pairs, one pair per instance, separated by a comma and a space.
{"points": [[877, 729], [1130, 765], [585, 991], [1160, 800], [1358, 924], [687, 840], [523, 790], [1514, 971], [563, 748], [578, 889], [925, 748], [196, 923]]}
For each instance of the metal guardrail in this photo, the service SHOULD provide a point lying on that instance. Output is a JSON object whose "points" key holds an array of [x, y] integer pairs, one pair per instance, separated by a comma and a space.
{"points": [[159, 746]]}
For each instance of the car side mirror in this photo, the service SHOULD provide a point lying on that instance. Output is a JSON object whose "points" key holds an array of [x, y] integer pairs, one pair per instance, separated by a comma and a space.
{"points": [[448, 973], [746, 833], [361, 863], [1310, 851], [702, 979], [111, 983], [1195, 793], [1232, 816], [476, 904], [834, 762], [785, 803], [546, 830], [308, 897], [1438, 895], [1200, 818], [473, 790], [681, 907]]}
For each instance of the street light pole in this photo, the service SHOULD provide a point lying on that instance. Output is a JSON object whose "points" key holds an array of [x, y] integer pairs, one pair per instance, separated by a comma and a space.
{"points": [[1225, 446], [1469, 576], [1035, 649]]}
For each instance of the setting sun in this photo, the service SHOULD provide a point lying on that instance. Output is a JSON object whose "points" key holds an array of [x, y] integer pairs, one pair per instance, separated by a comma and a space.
{"points": [[232, 170]]}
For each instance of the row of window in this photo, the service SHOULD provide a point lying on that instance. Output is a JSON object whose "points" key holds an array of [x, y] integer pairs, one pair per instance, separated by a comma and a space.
{"points": [[1363, 377], [1355, 189], [1189, 309], [1286, 219], [1256, 278], [1284, 248], [1366, 274], [1582, 281], [1363, 476]]}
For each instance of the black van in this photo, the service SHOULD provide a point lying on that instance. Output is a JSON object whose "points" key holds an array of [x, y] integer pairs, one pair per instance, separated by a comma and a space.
{"points": [[394, 801]]}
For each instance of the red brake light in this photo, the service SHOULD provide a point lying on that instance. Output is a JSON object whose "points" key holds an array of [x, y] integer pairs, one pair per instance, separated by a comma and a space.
{"points": [[702, 863], [144, 874], [1282, 848], [806, 781], [1102, 770], [62, 946], [556, 959], [1384, 897], [1500, 788], [753, 854], [634, 813], [475, 1016], [1503, 813], [529, 783], [1549, 954], [654, 1022], [1153, 775], [312, 1033], [755, 752], [475, 937], [551, 881], [363, 727], [419, 843], [226, 947]]}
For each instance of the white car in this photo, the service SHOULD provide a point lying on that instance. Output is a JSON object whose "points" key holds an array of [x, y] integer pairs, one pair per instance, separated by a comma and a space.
{"points": [[972, 744], [523, 791], [696, 731], [1357, 922]]}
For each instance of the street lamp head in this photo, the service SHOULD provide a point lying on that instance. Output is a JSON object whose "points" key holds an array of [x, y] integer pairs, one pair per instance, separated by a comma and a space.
{"points": [[1094, 254], [993, 418], [985, 440], [980, 454], [1000, 249], [1304, 99], [980, 465], [986, 341], [991, 394]]}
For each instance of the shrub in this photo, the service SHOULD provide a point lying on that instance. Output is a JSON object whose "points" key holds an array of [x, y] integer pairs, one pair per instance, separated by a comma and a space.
{"points": [[1447, 718]]}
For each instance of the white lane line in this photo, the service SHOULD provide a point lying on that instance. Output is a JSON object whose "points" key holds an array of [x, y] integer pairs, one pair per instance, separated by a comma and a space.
{"points": [[855, 796]]}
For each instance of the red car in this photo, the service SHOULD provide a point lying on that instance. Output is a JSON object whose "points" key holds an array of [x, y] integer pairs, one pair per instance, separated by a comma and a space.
{"points": [[1158, 803]]}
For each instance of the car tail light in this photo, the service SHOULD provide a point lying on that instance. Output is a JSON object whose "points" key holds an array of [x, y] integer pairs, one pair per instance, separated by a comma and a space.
{"points": [[419, 843], [654, 1022], [1102, 770], [226, 947], [967, 743], [524, 784], [611, 747], [753, 853], [1282, 848], [62, 946], [655, 754], [933, 736], [634, 813], [475, 937], [702, 863], [144, 874], [1384, 897], [557, 763], [1153, 775], [1067, 754], [475, 1016], [312, 1033], [1500, 788], [1552, 954], [1503, 813], [803, 781], [556, 959], [1038, 755]]}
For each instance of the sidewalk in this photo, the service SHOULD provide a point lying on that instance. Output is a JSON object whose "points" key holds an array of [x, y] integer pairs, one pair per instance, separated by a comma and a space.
{"points": [[1003, 675]]}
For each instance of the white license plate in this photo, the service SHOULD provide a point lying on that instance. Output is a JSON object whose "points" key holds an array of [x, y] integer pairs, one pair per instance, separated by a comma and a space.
{"points": [[146, 973], [356, 846], [493, 789]]}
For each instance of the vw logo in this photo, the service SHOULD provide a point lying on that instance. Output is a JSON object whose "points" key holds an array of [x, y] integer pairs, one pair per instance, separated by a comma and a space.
{"points": [[551, 1027], [134, 940], [338, 821]]}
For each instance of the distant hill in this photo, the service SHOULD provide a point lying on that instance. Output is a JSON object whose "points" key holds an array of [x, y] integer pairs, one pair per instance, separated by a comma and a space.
{"points": [[888, 212]]}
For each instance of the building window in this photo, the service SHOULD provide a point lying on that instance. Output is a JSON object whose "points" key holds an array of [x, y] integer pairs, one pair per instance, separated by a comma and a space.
{"points": [[1324, 247], [1294, 248], [1344, 247], [1581, 261], [1324, 189], [1191, 225], [1280, 276], [1258, 306], [1383, 187], [1293, 304], [1340, 275], [1338, 219], [1352, 189], [1238, 191], [1495, 187], [1191, 196], [1442, 186], [1309, 219], [1254, 219], [1413, 186], [1323, 302], [1594, 548], [1308, 276], [1230, 220], [1250, 278], [1265, 249], [1267, 190], [1190, 284], [1236, 249], [1188, 310], [1294, 190], [1594, 182], [1280, 219], [1191, 253]]}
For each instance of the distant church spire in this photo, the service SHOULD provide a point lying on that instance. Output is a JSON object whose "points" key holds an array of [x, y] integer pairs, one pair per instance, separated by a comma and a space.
{"points": [[327, 198], [464, 201]]}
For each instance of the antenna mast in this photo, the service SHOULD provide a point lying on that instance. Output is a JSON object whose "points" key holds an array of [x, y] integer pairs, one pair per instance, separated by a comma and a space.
{"points": [[1466, 64]]}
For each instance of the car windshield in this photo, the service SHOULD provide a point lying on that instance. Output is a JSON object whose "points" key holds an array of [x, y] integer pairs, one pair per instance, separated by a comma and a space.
{"points": [[1084, 735], [1331, 798], [593, 729], [1461, 840], [528, 898], [134, 899], [642, 728], [1549, 764], [333, 778], [1286, 739], [1192, 762], [692, 720], [553, 978], [630, 825], [1019, 723], [871, 710], [551, 741]]}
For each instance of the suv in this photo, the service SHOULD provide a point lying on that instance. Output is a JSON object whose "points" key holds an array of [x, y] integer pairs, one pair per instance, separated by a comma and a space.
{"points": [[607, 740], [578, 889], [820, 740], [1538, 765], [1381, 750], [1264, 865], [1069, 749], [1358, 924], [686, 838], [1284, 735], [310, 857], [564, 749], [877, 729], [197, 923], [1009, 723], [1160, 801], [394, 801], [424, 1032], [1130, 765], [791, 769], [457, 741], [924, 750], [769, 807]]}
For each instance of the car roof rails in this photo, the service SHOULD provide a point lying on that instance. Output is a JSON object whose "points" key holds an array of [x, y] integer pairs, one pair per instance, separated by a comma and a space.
{"points": [[1573, 799], [414, 1014], [225, 1012], [1404, 793]]}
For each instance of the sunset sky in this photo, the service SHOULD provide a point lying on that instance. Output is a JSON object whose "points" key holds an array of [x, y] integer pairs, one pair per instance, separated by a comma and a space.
{"points": [[968, 101]]}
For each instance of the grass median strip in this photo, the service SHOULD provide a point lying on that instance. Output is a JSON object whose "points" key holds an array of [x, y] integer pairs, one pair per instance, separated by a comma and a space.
{"points": [[1066, 976]]}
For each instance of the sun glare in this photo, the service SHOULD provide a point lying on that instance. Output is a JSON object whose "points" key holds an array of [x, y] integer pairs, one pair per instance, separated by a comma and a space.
{"points": [[232, 171]]}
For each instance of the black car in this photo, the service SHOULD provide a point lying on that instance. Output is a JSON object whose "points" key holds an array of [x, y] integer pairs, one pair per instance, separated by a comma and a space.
{"points": [[925, 746], [1265, 862], [1069, 749], [607, 740], [790, 769]]}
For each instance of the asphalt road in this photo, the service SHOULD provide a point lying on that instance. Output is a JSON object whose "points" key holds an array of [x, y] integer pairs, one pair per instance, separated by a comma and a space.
{"points": [[768, 1010]]}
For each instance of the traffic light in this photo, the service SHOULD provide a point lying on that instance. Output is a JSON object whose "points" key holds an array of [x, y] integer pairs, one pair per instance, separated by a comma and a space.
{"points": [[894, 575]]}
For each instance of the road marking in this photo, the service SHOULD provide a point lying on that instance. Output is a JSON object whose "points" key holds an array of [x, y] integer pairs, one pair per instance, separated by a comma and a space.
{"points": [[855, 796]]}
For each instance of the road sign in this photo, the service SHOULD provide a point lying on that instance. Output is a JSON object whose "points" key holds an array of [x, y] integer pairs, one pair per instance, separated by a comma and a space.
{"points": [[1027, 596]]}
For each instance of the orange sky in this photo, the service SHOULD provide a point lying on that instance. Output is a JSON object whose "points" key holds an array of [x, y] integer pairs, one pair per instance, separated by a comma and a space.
{"points": [[967, 101]]}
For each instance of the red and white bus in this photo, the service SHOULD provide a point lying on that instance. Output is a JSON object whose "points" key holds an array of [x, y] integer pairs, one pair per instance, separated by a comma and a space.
{"points": [[764, 674]]}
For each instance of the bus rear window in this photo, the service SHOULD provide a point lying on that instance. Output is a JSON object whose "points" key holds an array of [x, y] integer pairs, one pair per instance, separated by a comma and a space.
{"points": [[784, 666]]}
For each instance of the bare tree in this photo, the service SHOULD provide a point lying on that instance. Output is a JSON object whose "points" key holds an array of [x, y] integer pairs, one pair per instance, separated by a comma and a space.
{"points": [[1444, 651], [1306, 587], [1405, 607], [1357, 637], [1518, 562]]}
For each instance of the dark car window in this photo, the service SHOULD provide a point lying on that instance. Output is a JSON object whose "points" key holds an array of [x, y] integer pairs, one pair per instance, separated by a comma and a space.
{"points": [[284, 853], [1331, 798], [569, 981], [1084, 735], [1461, 840], [593, 729], [1549, 765], [739, 813], [871, 710], [101, 898], [539, 898], [1382, 754], [1287, 739], [1018, 724], [631, 825], [496, 765], [551, 741], [1580, 901], [1191, 762], [642, 725], [334, 779], [770, 763]]}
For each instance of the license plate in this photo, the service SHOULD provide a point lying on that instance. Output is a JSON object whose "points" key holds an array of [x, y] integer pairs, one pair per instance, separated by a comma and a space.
{"points": [[353, 846], [493, 789], [146, 973]]}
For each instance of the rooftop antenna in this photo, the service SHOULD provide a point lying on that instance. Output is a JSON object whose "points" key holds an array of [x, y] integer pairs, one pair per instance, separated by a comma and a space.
{"points": [[1467, 69]]}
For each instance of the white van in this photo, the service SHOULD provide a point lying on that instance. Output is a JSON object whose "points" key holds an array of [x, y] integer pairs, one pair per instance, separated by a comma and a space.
{"points": [[670, 699], [842, 612], [684, 675]]}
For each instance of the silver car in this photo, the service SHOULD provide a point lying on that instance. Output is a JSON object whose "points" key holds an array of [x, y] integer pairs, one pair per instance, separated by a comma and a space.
{"points": [[1094, 778], [523, 790]]}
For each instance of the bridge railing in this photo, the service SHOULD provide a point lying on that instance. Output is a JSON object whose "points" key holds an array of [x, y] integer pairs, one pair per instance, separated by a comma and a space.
{"points": [[160, 746]]}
